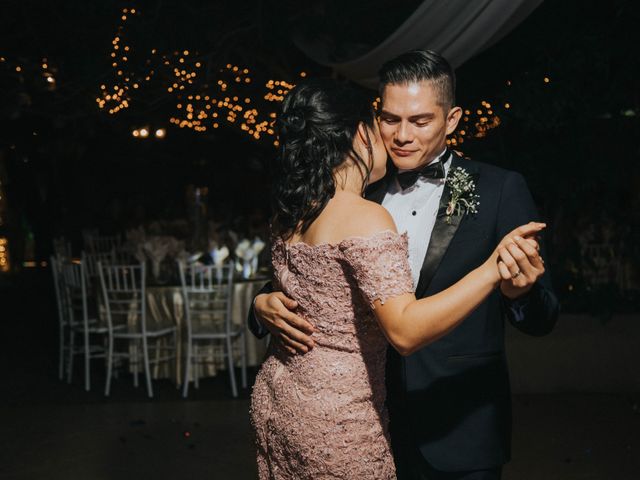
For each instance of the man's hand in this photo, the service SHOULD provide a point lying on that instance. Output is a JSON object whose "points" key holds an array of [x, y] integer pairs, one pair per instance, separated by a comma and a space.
{"points": [[274, 312], [520, 266]]}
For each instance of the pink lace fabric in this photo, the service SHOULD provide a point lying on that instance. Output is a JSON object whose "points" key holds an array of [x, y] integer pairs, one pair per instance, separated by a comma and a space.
{"points": [[322, 415]]}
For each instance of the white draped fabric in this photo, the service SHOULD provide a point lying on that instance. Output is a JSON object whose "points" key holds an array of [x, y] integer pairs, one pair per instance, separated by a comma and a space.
{"points": [[457, 29]]}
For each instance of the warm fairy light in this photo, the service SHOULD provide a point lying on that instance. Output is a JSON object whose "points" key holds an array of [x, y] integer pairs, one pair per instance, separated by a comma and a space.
{"points": [[125, 79], [476, 124], [4, 255], [200, 107], [546, 80]]}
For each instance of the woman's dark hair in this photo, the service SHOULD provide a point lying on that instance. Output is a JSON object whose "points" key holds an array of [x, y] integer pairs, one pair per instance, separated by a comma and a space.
{"points": [[317, 124]]}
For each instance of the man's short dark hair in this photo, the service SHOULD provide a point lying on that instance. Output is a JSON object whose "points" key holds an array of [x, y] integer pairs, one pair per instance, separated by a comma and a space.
{"points": [[418, 66]]}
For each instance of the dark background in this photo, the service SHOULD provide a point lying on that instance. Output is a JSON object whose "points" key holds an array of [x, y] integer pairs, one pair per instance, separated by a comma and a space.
{"points": [[66, 165]]}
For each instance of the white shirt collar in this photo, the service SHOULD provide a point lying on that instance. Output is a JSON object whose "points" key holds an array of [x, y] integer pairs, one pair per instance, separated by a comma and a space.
{"points": [[395, 186]]}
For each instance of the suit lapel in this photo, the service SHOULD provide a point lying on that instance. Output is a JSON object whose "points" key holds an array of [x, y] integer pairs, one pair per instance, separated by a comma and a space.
{"points": [[442, 234]]}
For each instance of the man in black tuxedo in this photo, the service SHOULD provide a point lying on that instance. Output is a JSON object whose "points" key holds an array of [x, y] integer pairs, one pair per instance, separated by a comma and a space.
{"points": [[449, 403]]}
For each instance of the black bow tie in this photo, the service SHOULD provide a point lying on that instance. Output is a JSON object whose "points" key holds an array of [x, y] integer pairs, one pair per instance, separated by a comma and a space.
{"points": [[433, 170]]}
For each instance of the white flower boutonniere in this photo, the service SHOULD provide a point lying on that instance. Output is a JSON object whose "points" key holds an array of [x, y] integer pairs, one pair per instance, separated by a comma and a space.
{"points": [[463, 199]]}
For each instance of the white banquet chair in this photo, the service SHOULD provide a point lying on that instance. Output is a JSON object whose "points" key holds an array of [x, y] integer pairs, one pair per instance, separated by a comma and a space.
{"points": [[83, 315], [62, 249], [208, 295], [91, 260], [63, 312], [102, 243], [124, 292]]}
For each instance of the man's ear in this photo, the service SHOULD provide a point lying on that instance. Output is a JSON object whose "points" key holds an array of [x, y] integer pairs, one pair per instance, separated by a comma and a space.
{"points": [[453, 117]]}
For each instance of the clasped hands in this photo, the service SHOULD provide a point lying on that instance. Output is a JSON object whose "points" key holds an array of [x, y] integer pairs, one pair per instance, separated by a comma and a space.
{"points": [[518, 261]]}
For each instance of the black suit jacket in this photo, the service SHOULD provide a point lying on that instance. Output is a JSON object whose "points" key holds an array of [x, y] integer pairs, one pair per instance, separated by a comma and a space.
{"points": [[451, 399]]}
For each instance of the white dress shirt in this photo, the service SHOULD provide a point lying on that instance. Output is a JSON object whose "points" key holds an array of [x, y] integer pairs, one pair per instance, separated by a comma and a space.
{"points": [[414, 211]]}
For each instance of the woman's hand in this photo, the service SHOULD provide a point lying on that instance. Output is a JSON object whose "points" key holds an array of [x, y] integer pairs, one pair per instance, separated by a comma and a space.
{"points": [[516, 259], [520, 265]]}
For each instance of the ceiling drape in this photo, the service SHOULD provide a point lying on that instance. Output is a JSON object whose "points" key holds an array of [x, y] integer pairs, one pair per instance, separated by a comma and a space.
{"points": [[457, 29]]}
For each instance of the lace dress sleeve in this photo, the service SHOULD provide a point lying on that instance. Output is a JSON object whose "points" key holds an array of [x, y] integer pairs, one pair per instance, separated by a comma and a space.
{"points": [[379, 265]]}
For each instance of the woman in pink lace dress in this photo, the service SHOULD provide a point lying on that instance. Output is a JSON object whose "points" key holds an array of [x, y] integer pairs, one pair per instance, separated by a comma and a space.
{"points": [[322, 415]]}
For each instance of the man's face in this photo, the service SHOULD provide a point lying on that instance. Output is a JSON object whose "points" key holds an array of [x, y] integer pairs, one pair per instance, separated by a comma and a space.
{"points": [[414, 124]]}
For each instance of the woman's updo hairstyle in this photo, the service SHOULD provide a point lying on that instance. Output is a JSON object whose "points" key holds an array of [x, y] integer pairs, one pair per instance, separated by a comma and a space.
{"points": [[316, 126]]}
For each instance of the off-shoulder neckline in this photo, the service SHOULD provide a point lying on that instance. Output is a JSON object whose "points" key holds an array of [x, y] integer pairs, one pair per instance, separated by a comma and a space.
{"points": [[339, 243]]}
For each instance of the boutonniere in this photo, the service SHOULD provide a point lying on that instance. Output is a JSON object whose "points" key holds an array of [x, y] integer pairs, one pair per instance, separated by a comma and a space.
{"points": [[463, 199]]}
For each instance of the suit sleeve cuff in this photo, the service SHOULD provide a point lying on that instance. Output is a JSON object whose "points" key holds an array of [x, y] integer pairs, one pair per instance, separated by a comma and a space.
{"points": [[517, 307]]}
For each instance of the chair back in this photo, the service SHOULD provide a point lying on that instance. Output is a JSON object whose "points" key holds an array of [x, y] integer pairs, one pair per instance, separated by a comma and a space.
{"points": [[59, 287], [76, 290], [123, 292], [62, 248], [102, 243], [207, 291], [91, 260]]}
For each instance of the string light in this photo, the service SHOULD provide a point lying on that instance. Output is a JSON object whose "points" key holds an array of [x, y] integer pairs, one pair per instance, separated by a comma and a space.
{"points": [[200, 111], [475, 123], [125, 79], [201, 107], [5, 265]]}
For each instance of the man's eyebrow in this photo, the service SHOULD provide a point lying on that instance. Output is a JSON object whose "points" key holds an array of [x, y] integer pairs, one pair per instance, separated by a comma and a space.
{"points": [[412, 118], [422, 116]]}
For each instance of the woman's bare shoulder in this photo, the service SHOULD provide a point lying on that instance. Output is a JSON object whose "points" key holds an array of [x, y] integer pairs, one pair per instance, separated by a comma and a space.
{"points": [[368, 218], [349, 216]]}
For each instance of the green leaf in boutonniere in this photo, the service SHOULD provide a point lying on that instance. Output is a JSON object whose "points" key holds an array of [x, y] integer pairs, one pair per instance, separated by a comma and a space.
{"points": [[463, 200]]}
